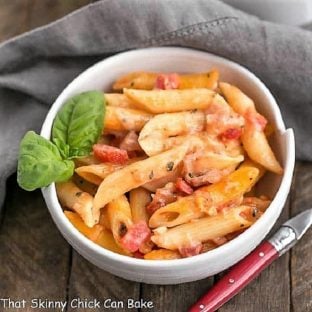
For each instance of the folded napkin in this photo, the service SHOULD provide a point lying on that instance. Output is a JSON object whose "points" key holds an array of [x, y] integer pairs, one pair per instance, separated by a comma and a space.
{"points": [[35, 67]]}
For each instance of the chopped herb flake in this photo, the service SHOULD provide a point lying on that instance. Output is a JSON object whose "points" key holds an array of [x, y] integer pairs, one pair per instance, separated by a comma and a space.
{"points": [[122, 229], [170, 166], [254, 212]]}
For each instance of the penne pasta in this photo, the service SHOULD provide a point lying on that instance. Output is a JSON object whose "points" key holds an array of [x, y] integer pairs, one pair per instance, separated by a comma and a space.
{"points": [[258, 148], [170, 101], [254, 139], [118, 100], [147, 81], [162, 254], [96, 173], [81, 202], [136, 80], [91, 232], [139, 198], [137, 174], [249, 163], [239, 101], [177, 213], [202, 80], [161, 127], [201, 230], [119, 215], [121, 119], [214, 160]]}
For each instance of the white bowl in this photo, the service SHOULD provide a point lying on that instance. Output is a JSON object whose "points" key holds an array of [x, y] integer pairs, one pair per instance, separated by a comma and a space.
{"points": [[173, 59]]}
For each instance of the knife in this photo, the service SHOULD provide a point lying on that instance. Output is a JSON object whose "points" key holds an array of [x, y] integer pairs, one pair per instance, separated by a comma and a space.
{"points": [[251, 266]]}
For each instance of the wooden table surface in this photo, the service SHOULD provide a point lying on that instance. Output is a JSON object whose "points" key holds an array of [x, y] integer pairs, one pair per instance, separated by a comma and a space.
{"points": [[36, 262]]}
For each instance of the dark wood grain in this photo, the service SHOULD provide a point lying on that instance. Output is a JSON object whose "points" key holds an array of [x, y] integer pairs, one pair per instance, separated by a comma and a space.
{"points": [[174, 297], [33, 255], [301, 262], [13, 17], [18, 16], [88, 281], [56, 9]]}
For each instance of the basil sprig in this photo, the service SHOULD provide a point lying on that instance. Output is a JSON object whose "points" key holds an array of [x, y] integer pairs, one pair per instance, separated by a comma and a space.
{"points": [[77, 126]]}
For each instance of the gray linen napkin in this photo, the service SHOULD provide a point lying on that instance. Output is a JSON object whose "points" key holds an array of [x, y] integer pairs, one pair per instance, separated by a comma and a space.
{"points": [[35, 67]]}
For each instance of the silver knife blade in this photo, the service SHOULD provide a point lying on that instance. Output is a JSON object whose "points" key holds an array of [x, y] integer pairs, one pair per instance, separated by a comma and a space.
{"points": [[291, 231], [300, 223]]}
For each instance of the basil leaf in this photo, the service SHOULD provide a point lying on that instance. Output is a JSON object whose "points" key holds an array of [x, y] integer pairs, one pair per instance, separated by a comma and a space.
{"points": [[62, 147], [79, 124], [40, 163]]}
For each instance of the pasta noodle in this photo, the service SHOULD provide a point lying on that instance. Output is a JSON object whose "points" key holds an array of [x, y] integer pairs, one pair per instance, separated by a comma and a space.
{"points": [[81, 202], [118, 100], [139, 199], [157, 130], [120, 119], [147, 81], [119, 214], [254, 140], [96, 173], [169, 101], [201, 230], [137, 174]]}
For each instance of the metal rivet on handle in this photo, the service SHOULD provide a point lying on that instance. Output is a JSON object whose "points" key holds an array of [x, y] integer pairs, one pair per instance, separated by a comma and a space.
{"points": [[261, 254], [201, 306], [231, 281]]}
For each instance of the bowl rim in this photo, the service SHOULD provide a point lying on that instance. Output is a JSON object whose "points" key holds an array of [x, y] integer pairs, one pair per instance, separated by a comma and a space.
{"points": [[64, 224]]}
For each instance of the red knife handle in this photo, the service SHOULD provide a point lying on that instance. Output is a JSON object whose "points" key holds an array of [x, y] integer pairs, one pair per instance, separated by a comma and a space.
{"points": [[237, 278]]}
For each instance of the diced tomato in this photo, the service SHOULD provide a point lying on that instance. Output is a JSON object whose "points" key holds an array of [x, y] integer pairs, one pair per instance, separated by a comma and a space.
{"points": [[107, 153], [136, 235], [183, 187], [167, 81], [192, 250], [256, 119], [231, 134]]}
